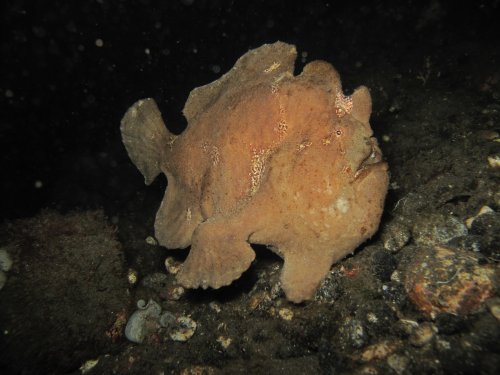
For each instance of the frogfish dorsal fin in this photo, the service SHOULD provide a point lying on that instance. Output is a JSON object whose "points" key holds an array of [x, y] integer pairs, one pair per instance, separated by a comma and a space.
{"points": [[263, 64]]}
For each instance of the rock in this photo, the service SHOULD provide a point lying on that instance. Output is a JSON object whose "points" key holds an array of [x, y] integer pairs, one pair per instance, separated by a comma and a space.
{"points": [[482, 211], [435, 229], [395, 235], [67, 283], [487, 225], [184, 329], [441, 279], [383, 264]]}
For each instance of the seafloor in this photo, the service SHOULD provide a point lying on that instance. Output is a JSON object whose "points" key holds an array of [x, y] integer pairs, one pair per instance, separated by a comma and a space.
{"points": [[77, 254]]}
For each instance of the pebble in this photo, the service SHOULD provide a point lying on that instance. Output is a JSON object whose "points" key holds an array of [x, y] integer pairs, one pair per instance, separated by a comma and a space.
{"points": [[395, 236], [132, 276], [407, 325], [367, 370], [398, 363], [89, 365], [483, 210], [215, 307], [175, 293], [494, 161], [260, 301], [352, 333], [285, 314], [150, 240], [224, 341], [173, 266], [423, 334], [378, 351], [396, 276], [185, 329]]}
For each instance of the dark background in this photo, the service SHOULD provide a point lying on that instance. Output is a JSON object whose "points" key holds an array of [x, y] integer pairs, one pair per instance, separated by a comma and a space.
{"points": [[62, 94]]}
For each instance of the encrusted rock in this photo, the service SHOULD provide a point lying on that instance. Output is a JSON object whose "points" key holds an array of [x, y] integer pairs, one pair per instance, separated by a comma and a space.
{"points": [[395, 235], [435, 229], [442, 279], [184, 330]]}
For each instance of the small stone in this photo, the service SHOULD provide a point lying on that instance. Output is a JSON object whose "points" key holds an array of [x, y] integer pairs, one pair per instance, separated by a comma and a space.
{"points": [[259, 301], [285, 314], [407, 326], [398, 363], [493, 305], [442, 345], [215, 307], [383, 264], [423, 334], [396, 276], [494, 161], [172, 265], [368, 370], [150, 240], [185, 329], [395, 235], [175, 293], [89, 365], [132, 276], [483, 210], [353, 333], [372, 318], [378, 351], [224, 341]]}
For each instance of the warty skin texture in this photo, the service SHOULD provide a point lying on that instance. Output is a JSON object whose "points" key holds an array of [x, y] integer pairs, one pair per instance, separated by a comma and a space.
{"points": [[267, 158]]}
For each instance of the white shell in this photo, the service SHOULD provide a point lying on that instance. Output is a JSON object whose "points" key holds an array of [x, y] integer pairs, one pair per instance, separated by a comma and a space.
{"points": [[143, 322]]}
